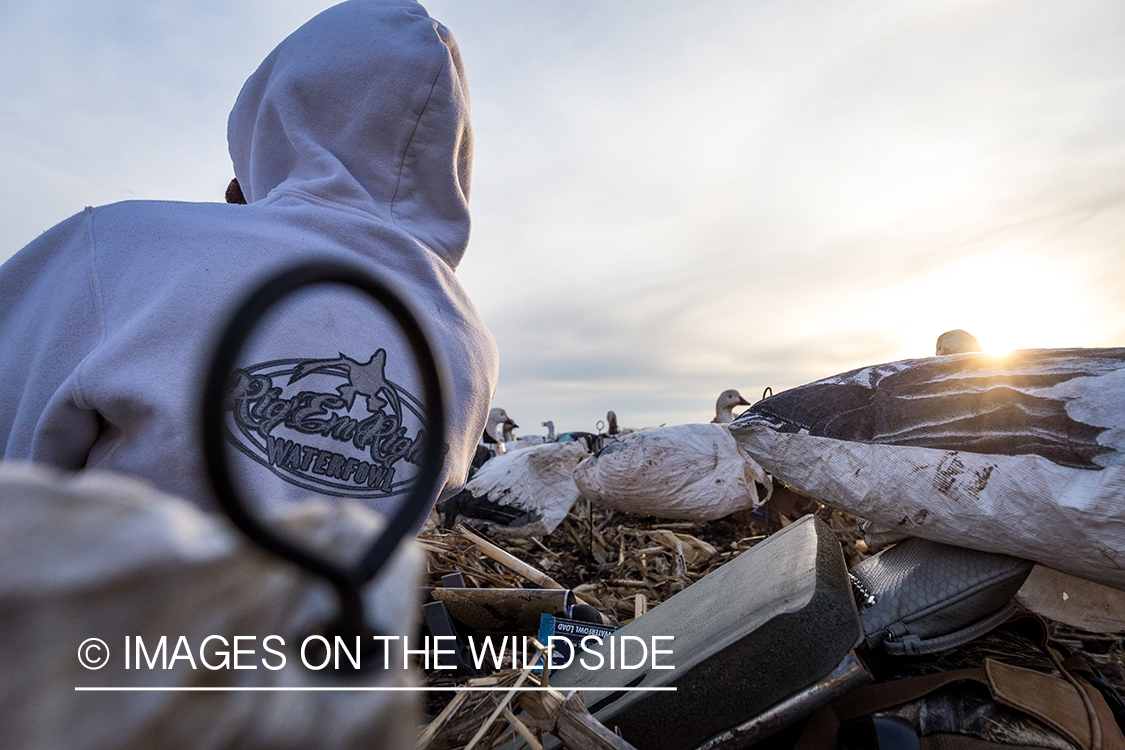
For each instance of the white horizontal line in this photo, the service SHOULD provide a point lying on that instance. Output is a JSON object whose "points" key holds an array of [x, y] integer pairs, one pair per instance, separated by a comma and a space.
{"points": [[363, 689]]}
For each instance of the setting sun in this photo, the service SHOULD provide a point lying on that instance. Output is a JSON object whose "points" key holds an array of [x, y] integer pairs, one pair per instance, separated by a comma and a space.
{"points": [[1009, 299]]}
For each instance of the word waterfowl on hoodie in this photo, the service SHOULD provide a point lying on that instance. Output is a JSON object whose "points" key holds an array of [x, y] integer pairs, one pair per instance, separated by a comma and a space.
{"points": [[292, 455], [336, 426]]}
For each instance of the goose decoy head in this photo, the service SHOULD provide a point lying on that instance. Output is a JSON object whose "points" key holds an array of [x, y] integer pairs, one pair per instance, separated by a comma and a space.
{"points": [[724, 406], [497, 419], [957, 342]]}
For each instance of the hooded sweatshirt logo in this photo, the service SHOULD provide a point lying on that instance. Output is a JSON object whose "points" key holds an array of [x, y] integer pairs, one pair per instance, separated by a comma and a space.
{"points": [[334, 426]]}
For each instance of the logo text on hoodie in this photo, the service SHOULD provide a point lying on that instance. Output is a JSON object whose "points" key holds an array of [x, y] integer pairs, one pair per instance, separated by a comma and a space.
{"points": [[334, 426]]}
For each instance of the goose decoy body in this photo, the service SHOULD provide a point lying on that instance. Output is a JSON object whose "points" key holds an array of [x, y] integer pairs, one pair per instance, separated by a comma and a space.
{"points": [[690, 471], [525, 441], [957, 342], [521, 493], [588, 439], [1065, 405], [1021, 454]]}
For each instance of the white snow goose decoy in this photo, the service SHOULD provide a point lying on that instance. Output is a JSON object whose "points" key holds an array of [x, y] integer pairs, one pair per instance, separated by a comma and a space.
{"points": [[492, 440], [498, 421], [957, 342], [689, 471], [724, 406], [522, 493], [526, 441]]}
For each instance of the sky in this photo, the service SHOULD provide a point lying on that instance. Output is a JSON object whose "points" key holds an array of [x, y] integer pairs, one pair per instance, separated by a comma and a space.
{"points": [[669, 199]]}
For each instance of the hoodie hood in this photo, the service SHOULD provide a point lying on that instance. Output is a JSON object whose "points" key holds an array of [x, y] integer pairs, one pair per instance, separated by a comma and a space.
{"points": [[365, 106]]}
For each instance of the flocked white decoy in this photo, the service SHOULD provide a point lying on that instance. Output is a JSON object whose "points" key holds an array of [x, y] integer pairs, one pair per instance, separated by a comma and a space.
{"points": [[523, 441], [513, 443], [523, 493], [493, 430], [614, 430], [957, 342], [724, 406], [689, 471]]}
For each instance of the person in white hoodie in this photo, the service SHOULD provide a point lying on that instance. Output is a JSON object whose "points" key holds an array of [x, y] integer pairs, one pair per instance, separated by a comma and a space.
{"points": [[350, 142]]}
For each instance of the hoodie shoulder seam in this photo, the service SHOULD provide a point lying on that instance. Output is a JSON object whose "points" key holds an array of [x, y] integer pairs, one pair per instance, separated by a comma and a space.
{"points": [[99, 308]]}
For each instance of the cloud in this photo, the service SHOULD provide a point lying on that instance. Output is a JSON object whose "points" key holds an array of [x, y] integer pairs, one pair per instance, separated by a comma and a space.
{"points": [[757, 193], [669, 199]]}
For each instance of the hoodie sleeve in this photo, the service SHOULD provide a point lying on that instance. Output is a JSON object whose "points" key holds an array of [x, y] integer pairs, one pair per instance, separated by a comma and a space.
{"points": [[50, 321]]}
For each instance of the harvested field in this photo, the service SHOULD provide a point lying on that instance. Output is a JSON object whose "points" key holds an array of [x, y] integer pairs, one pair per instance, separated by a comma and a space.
{"points": [[623, 565]]}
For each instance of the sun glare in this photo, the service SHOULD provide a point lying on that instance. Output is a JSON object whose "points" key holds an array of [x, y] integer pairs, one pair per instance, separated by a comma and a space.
{"points": [[1008, 301]]}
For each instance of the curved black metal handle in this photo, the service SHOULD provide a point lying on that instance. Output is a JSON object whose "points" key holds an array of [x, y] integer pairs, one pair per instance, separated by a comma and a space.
{"points": [[346, 580]]}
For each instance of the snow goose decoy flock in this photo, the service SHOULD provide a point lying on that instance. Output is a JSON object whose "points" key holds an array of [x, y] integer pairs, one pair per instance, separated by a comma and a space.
{"points": [[526, 441], [513, 443]]}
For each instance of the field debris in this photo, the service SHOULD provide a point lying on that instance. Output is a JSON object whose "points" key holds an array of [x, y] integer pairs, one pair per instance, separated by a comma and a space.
{"points": [[621, 564]]}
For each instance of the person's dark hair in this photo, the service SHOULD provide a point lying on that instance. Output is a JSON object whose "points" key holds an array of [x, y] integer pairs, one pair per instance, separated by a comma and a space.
{"points": [[234, 192]]}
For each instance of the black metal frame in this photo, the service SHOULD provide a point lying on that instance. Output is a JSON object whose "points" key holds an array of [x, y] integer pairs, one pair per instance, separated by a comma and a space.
{"points": [[347, 581]]}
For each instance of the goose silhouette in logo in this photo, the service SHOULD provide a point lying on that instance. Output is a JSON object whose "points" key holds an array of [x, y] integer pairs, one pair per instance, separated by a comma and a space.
{"points": [[295, 417], [369, 379]]}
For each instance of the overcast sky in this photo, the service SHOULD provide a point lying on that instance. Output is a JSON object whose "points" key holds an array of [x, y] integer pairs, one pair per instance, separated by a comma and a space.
{"points": [[669, 198]]}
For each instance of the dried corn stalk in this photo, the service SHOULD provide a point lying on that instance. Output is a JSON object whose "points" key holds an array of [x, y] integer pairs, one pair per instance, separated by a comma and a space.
{"points": [[620, 563]]}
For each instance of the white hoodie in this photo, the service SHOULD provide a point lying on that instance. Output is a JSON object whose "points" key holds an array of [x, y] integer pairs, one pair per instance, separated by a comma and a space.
{"points": [[352, 142]]}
